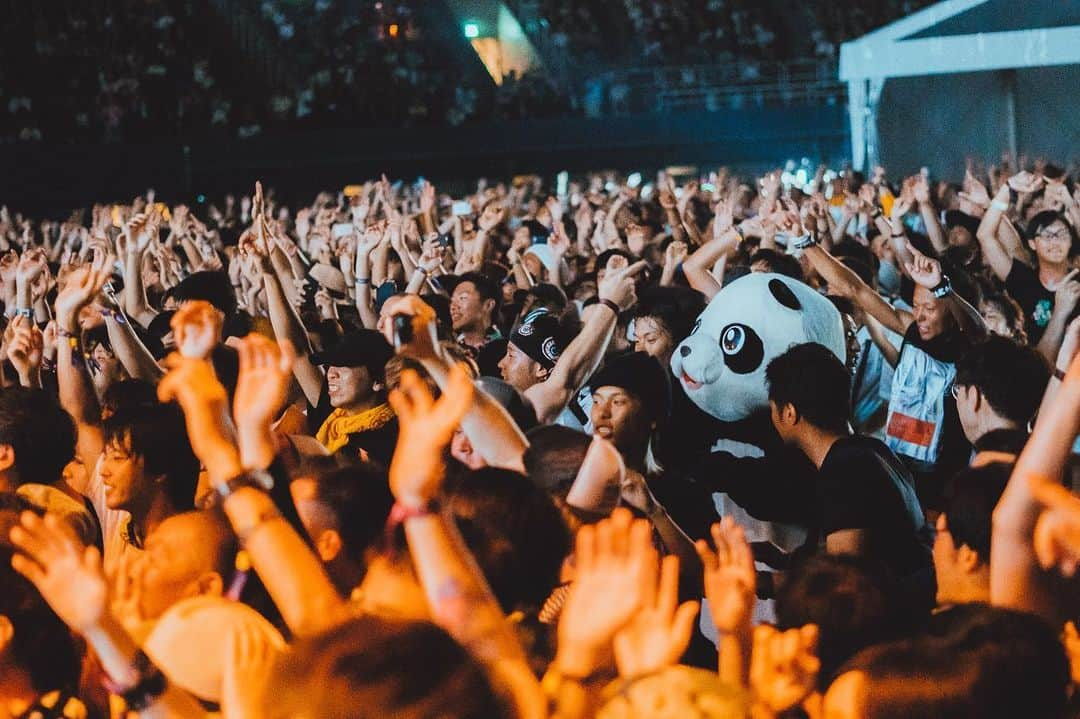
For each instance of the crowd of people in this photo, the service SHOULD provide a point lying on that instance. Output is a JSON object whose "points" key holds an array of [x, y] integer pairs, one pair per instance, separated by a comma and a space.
{"points": [[714, 447], [347, 64]]}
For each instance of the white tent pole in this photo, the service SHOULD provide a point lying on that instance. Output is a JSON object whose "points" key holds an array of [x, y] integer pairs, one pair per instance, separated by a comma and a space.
{"points": [[857, 122]]}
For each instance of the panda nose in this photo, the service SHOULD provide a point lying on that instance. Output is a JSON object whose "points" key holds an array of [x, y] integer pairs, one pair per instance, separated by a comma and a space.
{"points": [[684, 351]]}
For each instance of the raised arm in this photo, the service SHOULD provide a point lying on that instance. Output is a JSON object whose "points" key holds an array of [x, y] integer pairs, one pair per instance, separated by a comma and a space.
{"points": [[844, 282], [581, 358], [929, 214], [1016, 579], [698, 266], [926, 271], [994, 253], [71, 579], [77, 394], [461, 601], [288, 568], [139, 232], [488, 426], [287, 326]]}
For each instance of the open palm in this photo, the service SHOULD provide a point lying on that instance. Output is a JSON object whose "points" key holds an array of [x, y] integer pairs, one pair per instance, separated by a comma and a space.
{"points": [[660, 631], [68, 574]]}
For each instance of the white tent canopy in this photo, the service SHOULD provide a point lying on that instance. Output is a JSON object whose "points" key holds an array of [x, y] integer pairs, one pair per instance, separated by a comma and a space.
{"points": [[959, 38]]}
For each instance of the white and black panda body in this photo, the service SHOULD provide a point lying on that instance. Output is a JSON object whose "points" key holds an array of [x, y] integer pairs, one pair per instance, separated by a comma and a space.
{"points": [[766, 487]]}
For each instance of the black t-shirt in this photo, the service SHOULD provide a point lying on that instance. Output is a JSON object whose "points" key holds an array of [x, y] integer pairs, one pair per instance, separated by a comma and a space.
{"points": [[1023, 285], [955, 450], [863, 485]]}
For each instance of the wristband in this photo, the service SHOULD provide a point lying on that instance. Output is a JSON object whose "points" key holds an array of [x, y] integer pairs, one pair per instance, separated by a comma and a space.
{"points": [[802, 242], [612, 306], [150, 685], [363, 281], [999, 205], [876, 213], [24, 312], [60, 331], [944, 289], [256, 479], [400, 513]]}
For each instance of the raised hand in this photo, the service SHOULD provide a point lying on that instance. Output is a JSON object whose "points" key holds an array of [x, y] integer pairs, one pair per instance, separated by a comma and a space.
{"points": [[614, 565], [427, 198], [31, 264], [424, 343], [1067, 292], [924, 271], [1025, 182], [25, 349], [197, 328], [730, 579], [68, 575], [192, 384], [675, 253], [425, 429], [490, 217], [660, 631], [262, 384], [558, 240], [618, 284], [262, 387], [974, 191], [783, 666], [82, 286]]}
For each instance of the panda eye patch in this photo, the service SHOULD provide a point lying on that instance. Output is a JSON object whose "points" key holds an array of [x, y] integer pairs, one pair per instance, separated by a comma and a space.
{"points": [[742, 348]]}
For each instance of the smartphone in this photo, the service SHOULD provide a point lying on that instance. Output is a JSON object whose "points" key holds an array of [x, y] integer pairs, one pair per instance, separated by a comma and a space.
{"points": [[342, 229], [461, 207], [403, 331]]}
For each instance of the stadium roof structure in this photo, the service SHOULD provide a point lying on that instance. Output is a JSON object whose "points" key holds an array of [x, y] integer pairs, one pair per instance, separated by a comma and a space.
{"points": [[954, 36]]}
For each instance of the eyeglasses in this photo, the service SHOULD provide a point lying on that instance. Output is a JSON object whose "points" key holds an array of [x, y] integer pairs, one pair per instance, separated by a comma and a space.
{"points": [[954, 390], [1060, 235]]}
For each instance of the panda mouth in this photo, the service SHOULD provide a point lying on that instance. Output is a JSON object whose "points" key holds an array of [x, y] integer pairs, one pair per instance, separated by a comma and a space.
{"points": [[690, 382]]}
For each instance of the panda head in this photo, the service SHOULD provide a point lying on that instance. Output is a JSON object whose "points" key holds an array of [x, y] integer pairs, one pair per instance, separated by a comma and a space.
{"points": [[721, 365]]}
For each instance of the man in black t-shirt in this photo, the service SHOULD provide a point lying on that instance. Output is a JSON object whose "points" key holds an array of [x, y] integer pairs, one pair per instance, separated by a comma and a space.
{"points": [[865, 496]]}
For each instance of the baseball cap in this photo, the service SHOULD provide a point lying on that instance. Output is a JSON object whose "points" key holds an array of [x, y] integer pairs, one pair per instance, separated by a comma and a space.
{"points": [[539, 337]]}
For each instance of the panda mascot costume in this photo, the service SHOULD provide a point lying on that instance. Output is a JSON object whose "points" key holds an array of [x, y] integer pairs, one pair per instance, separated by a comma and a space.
{"points": [[731, 450]]}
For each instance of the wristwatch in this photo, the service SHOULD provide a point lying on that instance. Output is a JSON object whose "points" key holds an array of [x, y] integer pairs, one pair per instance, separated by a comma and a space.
{"points": [[944, 289], [257, 479]]}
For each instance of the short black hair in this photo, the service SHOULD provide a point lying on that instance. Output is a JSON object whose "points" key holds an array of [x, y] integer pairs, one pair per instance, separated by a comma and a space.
{"points": [[778, 262], [814, 381], [39, 431], [1044, 219], [676, 308], [848, 598], [514, 530], [485, 287], [970, 499], [157, 434], [359, 497], [1010, 376], [210, 285]]}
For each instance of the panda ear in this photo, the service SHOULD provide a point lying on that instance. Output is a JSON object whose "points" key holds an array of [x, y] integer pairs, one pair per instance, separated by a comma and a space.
{"points": [[784, 295]]}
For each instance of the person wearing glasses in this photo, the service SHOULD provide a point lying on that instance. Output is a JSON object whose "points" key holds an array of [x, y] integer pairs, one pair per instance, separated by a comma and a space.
{"points": [[1046, 290]]}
